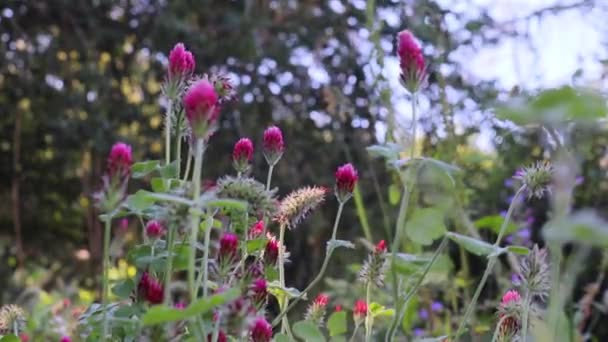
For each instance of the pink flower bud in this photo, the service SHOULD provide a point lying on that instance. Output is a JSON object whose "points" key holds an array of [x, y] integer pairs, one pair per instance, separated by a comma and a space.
{"points": [[346, 179], [150, 289], [359, 311], [380, 247], [154, 229], [66, 339], [510, 296], [271, 251], [258, 292], [120, 160], [256, 230], [411, 61], [273, 144], [261, 330], [181, 62], [180, 305], [321, 300], [200, 103], [242, 154], [229, 244], [338, 308]]}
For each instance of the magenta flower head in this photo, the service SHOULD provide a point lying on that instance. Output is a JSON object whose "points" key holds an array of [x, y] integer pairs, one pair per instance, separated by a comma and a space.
{"points": [[359, 311], [65, 339], [509, 314], [242, 155], [413, 69], [273, 145], [221, 337], [150, 289], [120, 160], [256, 230], [229, 245], [261, 330], [346, 179], [271, 251], [154, 229], [317, 309], [258, 292], [181, 63], [200, 103]]}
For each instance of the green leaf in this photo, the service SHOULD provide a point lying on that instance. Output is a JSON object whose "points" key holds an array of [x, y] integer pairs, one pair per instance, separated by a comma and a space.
{"points": [[140, 201], [123, 288], [169, 171], [494, 223], [425, 225], [394, 194], [521, 250], [281, 338], [159, 184], [308, 331], [256, 245], [378, 310], [411, 314], [226, 203], [275, 288], [584, 226], [388, 151], [180, 256], [141, 169], [333, 244], [161, 314], [10, 338], [555, 106], [474, 246], [336, 323]]}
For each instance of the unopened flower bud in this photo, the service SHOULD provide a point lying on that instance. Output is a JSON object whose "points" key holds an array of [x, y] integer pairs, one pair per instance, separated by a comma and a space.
{"points": [[258, 292], [317, 309], [229, 245], [346, 179], [150, 289], [359, 311], [154, 229], [273, 145], [261, 330], [242, 155], [411, 60], [200, 103], [256, 230], [181, 62], [271, 251]]}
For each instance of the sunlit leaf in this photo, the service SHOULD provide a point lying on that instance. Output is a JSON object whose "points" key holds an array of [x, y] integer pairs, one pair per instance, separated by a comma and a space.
{"points": [[494, 222], [141, 169], [336, 323], [425, 225], [308, 331]]}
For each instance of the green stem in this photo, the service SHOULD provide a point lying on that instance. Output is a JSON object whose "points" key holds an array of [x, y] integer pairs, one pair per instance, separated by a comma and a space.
{"points": [[319, 276], [169, 264], [390, 335], [491, 262], [106, 267], [194, 216], [188, 164], [269, 177], [352, 337], [414, 123], [524, 320], [206, 257], [16, 328], [168, 131], [368, 316], [284, 301], [178, 155]]}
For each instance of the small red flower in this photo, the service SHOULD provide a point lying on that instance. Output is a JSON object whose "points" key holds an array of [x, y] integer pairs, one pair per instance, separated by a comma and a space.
{"points": [[242, 154], [346, 177], [321, 300], [338, 308], [181, 62], [380, 247], [510, 297], [120, 160], [261, 330], [259, 292], [200, 104], [273, 144], [150, 289], [411, 60], [154, 229], [229, 244], [256, 230], [271, 251], [360, 310]]}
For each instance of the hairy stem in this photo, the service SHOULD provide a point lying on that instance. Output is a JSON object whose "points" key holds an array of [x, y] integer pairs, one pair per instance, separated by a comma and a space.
{"points": [[188, 164], [319, 276], [168, 131], [194, 216], [284, 302], [352, 337], [169, 264], [524, 319], [269, 177], [390, 335], [206, 257], [178, 155], [414, 123], [368, 316], [491, 263], [104, 280]]}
